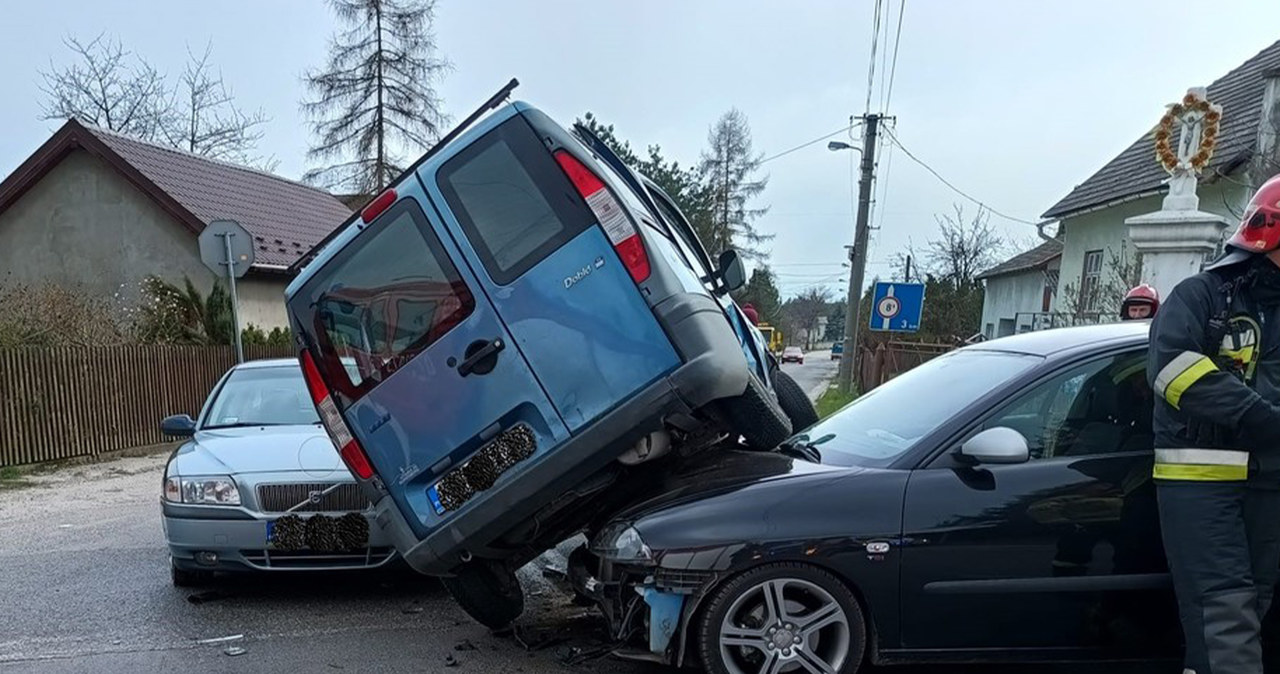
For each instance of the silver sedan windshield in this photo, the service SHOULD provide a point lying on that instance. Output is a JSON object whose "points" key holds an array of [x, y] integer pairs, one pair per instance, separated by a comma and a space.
{"points": [[264, 396]]}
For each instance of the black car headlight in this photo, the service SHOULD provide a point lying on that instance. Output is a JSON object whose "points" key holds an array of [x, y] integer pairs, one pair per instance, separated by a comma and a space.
{"points": [[622, 543]]}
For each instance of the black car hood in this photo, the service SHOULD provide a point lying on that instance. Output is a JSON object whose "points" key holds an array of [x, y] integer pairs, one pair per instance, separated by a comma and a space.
{"points": [[723, 496], [717, 471]]}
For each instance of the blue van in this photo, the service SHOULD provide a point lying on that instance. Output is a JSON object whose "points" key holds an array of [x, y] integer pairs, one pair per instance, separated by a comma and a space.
{"points": [[534, 326]]}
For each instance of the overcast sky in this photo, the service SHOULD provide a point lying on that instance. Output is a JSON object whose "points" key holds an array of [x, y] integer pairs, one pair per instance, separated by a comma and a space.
{"points": [[1013, 101]]}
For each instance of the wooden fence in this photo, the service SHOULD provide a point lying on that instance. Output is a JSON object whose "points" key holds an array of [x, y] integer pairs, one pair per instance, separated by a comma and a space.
{"points": [[892, 358], [69, 402]]}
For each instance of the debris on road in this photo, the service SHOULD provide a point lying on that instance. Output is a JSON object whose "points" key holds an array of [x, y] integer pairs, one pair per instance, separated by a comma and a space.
{"points": [[465, 645], [220, 640], [233, 651], [450, 661]]}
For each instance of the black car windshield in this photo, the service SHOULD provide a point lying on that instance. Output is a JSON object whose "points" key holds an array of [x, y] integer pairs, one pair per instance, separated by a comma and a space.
{"points": [[262, 396], [882, 425]]}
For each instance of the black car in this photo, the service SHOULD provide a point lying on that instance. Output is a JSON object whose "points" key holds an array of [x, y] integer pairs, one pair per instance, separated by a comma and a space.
{"points": [[995, 503]]}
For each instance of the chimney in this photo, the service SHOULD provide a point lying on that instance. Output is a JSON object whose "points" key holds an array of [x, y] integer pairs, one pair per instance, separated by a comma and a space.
{"points": [[1267, 162]]}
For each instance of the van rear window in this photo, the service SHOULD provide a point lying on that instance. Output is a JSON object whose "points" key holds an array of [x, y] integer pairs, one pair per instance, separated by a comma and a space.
{"points": [[383, 299], [512, 199]]}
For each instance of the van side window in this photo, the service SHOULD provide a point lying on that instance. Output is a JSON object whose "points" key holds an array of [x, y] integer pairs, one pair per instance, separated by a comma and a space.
{"points": [[385, 298], [512, 199]]}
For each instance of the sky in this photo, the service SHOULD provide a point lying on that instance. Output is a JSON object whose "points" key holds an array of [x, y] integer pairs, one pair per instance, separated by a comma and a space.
{"points": [[1012, 101]]}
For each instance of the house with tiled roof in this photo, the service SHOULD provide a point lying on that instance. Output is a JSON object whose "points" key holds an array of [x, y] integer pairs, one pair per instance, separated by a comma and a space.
{"points": [[1091, 217], [1020, 290], [99, 211]]}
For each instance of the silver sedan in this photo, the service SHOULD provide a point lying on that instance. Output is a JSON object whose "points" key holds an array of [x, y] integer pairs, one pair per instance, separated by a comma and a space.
{"points": [[259, 485]]}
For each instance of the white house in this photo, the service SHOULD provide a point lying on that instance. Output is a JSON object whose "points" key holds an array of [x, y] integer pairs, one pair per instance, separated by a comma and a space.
{"points": [[1091, 218], [1019, 291]]}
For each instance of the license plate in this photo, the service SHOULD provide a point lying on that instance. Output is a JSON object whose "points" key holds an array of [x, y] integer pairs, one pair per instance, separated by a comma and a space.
{"points": [[318, 532], [270, 527]]}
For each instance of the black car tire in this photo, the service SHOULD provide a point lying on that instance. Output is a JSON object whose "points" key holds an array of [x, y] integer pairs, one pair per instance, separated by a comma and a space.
{"points": [[187, 578], [724, 598], [488, 591], [794, 402], [757, 416]]}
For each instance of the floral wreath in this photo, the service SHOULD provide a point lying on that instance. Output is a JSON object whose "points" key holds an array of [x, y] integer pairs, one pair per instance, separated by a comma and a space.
{"points": [[1192, 102]]}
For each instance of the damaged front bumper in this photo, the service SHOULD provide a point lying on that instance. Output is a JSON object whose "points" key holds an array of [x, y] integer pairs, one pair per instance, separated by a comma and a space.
{"points": [[649, 607]]}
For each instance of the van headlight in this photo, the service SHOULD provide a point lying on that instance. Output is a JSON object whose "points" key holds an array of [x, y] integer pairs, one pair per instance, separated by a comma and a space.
{"points": [[210, 490], [622, 543]]}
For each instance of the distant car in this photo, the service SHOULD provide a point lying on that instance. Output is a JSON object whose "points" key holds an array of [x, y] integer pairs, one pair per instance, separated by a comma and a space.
{"points": [[793, 354], [260, 487], [836, 350]]}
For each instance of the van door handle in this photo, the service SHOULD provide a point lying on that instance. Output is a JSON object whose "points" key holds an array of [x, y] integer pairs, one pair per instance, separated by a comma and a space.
{"points": [[481, 356]]}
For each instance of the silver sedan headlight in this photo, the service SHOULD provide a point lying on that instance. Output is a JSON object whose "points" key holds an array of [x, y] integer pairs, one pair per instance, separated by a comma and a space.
{"points": [[204, 490], [622, 543]]}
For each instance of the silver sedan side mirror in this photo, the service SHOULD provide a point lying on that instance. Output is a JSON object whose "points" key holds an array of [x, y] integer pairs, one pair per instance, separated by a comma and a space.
{"points": [[996, 445]]}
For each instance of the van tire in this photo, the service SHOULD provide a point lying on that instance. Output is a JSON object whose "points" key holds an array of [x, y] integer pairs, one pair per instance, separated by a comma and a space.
{"points": [[757, 416], [488, 591], [794, 402]]}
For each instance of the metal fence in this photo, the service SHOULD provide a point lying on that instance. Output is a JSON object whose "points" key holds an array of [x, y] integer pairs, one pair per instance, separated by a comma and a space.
{"points": [[69, 402]]}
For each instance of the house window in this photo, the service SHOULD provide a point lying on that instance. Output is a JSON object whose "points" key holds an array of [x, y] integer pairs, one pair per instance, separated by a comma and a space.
{"points": [[1091, 280]]}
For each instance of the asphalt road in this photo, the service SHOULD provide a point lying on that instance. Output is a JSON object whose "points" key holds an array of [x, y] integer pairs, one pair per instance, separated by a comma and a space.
{"points": [[818, 369], [84, 587]]}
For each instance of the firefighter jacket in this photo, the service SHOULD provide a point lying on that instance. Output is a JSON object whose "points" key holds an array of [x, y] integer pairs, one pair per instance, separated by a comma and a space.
{"points": [[1214, 369]]}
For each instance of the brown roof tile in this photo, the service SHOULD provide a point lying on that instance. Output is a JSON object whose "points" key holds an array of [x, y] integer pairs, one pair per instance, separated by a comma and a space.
{"points": [[285, 217], [1033, 259], [1135, 170]]}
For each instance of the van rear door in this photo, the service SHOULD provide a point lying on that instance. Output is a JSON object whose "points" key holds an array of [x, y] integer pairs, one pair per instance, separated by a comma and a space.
{"points": [[419, 363], [547, 263]]}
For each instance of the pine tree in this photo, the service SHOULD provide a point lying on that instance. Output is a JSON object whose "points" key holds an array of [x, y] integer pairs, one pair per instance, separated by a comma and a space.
{"points": [[762, 292], [728, 168], [378, 94]]}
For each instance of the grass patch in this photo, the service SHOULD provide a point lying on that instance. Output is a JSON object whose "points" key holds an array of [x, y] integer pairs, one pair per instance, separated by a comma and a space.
{"points": [[832, 399], [11, 478]]}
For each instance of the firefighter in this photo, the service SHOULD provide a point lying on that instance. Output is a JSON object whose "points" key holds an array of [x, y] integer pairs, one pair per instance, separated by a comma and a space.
{"points": [[1215, 371], [1141, 302]]}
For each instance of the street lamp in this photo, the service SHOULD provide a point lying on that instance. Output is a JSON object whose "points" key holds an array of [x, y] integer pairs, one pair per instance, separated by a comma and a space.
{"points": [[837, 145]]}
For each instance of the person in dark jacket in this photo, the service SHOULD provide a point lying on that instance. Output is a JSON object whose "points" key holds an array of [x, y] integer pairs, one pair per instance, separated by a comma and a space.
{"points": [[1214, 368]]}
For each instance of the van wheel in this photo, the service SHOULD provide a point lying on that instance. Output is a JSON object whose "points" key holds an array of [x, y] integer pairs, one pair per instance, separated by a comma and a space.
{"points": [[489, 592], [794, 402], [757, 416]]}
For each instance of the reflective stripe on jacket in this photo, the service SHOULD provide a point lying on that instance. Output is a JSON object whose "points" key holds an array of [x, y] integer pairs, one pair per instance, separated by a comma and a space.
{"points": [[1197, 382]]}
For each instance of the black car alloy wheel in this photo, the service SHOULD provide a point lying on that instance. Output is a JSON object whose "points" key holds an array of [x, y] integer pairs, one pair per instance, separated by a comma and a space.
{"points": [[782, 618]]}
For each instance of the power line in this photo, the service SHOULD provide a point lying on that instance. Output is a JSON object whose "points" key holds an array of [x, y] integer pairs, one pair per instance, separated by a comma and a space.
{"points": [[804, 145], [871, 65], [897, 40], [955, 189]]}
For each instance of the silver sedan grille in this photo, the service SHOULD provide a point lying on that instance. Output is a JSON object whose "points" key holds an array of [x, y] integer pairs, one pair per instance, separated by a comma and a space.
{"points": [[311, 497]]}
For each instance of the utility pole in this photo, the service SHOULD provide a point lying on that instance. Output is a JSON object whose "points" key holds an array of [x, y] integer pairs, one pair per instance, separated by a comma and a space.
{"points": [[858, 256]]}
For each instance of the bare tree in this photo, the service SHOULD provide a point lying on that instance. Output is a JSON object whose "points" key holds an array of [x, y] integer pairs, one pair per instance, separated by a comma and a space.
{"points": [[378, 90], [204, 118], [964, 249], [804, 311], [106, 86], [728, 167]]}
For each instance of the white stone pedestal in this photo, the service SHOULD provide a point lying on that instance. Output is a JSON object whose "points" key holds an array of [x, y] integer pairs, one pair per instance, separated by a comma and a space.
{"points": [[1174, 243]]}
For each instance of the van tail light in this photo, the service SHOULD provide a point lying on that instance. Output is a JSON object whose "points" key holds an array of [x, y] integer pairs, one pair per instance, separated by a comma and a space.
{"points": [[379, 204], [622, 234], [348, 448]]}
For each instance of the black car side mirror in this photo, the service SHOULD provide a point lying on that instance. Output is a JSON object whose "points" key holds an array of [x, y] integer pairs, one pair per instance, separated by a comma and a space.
{"points": [[178, 426], [732, 272]]}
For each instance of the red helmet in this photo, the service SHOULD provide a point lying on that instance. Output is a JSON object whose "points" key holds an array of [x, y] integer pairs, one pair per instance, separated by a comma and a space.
{"points": [[1259, 230], [1139, 295]]}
